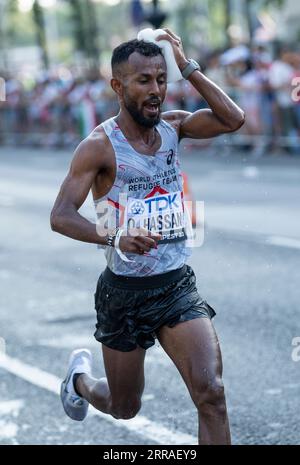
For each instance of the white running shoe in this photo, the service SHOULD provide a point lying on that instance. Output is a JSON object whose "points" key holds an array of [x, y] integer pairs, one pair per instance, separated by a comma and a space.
{"points": [[75, 406]]}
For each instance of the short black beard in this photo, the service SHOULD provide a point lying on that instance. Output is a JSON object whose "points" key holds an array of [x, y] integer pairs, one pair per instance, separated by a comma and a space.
{"points": [[138, 116]]}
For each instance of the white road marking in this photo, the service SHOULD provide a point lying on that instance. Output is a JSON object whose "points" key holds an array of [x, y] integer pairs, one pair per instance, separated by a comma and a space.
{"points": [[8, 429], [250, 172], [284, 241], [2, 345], [273, 392], [140, 425], [147, 397], [11, 407]]}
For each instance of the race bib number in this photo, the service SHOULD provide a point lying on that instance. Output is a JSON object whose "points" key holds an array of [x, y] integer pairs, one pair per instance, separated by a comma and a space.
{"points": [[163, 214]]}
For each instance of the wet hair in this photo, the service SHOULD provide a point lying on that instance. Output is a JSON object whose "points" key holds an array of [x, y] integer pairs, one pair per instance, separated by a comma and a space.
{"points": [[123, 51]]}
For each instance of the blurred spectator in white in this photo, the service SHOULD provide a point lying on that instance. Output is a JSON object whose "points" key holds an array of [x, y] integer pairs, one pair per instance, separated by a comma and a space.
{"points": [[215, 71], [296, 101], [281, 73]]}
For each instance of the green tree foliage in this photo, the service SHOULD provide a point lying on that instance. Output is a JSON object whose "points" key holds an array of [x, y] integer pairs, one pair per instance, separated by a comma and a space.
{"points": [[39, 21], [19, 27], [85, 29]]}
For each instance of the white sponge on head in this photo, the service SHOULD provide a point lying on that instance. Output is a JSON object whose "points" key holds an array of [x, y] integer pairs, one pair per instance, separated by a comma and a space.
{"points": [[149, 35]]}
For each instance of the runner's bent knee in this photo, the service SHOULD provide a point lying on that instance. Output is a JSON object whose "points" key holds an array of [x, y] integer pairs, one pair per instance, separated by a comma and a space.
{"points": [[126, 409]]}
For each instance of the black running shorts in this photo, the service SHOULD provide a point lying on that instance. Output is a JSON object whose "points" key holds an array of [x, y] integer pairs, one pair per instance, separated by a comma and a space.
{"points": [[131, 309]]}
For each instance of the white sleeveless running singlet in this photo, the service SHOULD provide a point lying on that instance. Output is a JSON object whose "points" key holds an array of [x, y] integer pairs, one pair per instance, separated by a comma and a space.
{"points": [[147, 192]]}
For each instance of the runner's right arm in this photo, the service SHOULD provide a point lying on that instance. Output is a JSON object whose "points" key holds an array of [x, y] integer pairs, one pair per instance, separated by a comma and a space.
{"points": [[65, 218]]}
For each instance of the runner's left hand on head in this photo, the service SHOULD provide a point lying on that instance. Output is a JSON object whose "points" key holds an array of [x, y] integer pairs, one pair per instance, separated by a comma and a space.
{"points": [[176, 43]]}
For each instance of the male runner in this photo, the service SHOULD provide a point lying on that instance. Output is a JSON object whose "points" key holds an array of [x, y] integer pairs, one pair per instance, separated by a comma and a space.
{"points": [[147, 290]]}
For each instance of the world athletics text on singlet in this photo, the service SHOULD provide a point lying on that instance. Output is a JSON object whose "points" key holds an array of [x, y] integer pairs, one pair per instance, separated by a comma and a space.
{"points": [[147, 192]]}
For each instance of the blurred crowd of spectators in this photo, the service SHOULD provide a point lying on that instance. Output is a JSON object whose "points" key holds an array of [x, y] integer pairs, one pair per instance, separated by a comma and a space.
{"points": [[59, 109]]}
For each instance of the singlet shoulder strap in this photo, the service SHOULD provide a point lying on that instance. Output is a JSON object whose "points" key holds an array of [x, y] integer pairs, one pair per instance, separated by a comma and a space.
{"points": [[168, 127], [108, 126]]}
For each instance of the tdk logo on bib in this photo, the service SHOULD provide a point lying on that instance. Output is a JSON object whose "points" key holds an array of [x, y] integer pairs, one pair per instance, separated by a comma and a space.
{"points": [[162, 213], [162, 202]]}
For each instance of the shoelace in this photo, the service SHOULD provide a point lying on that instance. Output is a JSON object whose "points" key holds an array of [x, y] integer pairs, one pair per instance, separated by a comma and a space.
{"points": [[76, 399]]}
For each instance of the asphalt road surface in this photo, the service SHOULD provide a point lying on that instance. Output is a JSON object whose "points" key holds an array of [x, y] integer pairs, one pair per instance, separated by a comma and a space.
{"points": [[247, 269]]}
